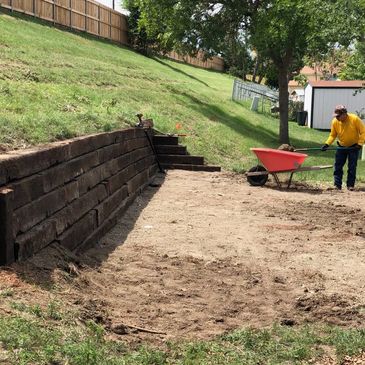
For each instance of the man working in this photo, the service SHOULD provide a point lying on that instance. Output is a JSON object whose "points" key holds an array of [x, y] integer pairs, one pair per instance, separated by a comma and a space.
{"points": [[350, 133]]}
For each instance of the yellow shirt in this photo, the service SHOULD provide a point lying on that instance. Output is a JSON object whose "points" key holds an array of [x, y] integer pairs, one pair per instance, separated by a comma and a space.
{"points": [[348, 132]]}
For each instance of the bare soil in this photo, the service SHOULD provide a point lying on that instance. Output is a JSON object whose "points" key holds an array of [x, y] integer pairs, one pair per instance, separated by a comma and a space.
{"points": [[199, 254]]}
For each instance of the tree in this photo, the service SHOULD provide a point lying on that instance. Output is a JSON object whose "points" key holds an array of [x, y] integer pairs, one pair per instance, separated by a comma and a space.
{"points": [[281, 31], [327, 65], [287, 30], [236, 55], [143, 41], [355, 65], [187, 27]]}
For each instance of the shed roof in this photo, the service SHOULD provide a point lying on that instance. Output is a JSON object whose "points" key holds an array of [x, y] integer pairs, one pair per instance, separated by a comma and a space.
{"points": [[338, 84]]}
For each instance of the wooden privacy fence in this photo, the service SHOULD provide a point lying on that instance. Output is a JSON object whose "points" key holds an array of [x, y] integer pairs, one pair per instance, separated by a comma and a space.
{"points": [[83, 15], [213, 63], [94, 18]]}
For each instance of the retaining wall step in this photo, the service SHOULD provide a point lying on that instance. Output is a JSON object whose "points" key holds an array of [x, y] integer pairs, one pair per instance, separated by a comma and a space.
{"points": [[181, 159], [209, 168], [171, 150], [165, 140]]}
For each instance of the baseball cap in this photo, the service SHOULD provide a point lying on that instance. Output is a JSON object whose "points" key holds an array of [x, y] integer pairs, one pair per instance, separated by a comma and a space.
{"points": [[339, 109]]}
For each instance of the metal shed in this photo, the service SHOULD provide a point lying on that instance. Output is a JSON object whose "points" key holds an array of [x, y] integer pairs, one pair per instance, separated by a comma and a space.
{"points": [[321, 97]]}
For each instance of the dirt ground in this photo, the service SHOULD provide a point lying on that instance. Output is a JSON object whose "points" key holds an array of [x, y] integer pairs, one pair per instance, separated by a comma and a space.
{"points": [[199, 254]]}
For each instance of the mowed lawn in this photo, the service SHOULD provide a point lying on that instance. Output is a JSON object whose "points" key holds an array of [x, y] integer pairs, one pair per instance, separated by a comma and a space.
{"points": [[56, 85]]}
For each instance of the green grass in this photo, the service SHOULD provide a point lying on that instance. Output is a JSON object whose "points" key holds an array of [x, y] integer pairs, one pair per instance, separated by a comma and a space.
{"points": [[27, 338], [56, 85]]}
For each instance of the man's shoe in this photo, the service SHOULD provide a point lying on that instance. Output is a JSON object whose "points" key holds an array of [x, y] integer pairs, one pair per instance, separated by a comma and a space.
{"points": [[350, 188], [337, 187]]}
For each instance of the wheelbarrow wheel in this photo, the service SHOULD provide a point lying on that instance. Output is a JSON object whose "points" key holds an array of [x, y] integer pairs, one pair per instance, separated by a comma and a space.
{"points": [[258, 180]]}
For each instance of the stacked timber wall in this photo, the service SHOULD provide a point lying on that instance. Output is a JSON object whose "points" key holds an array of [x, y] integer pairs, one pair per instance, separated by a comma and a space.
{"points": [[70, 193]]}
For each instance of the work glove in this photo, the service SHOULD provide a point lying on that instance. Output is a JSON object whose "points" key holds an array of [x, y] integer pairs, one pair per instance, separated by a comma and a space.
{"points": [[324, 147]]}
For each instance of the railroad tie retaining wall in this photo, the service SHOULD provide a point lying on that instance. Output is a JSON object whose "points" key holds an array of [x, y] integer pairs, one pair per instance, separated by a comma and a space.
{"points": [[70, 192]]}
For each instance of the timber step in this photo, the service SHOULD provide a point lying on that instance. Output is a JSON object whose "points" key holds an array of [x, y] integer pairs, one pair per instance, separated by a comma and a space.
{"points": [[209, 168], [181, 159], [161, 139], [171, 150], [172, 155]]}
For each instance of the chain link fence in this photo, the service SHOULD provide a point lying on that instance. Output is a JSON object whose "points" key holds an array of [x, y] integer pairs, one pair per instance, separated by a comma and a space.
{"points": [[262, 96]]}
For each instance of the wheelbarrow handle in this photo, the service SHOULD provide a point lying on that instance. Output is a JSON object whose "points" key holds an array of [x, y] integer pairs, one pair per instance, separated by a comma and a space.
{"points": [[308, 149], [320, 149]]}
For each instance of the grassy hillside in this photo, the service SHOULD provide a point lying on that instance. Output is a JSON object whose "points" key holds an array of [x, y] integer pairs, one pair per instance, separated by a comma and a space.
{"points": [[56, 85]]}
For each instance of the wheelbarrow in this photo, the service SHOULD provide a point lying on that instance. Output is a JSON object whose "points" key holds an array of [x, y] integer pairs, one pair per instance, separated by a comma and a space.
{"points": [[275, 162]]}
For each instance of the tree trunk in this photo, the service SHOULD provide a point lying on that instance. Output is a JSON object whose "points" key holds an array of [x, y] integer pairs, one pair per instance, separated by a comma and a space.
{"points": [[257, 63], [283, 104]]}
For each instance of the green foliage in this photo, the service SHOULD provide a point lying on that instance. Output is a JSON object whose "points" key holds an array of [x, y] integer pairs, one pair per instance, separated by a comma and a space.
{"points": [[301, 79], [193, 25], [355, 65], [346, 341], [238, 61], [329, 63], [51, 312], [271, 76], [149, 35], [294, 107], [138, 37]]}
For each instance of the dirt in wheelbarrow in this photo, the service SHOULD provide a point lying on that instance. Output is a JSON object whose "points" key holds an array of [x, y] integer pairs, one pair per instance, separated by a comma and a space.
{"points": [[199, 254]]}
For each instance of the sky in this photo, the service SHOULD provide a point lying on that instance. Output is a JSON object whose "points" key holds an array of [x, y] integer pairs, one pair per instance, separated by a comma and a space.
{"points": [[109, 3]]}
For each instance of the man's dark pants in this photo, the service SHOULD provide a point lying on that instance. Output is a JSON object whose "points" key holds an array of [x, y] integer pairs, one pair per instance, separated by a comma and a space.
{"points": [[342, 155]]}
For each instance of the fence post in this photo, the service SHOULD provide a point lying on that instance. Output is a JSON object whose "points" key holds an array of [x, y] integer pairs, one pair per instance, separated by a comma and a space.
{"points": [[255, 103], [85, 15], [110, 24], [234, 90], [6, 227], [54, 12], [70, 7], [99, 20]]}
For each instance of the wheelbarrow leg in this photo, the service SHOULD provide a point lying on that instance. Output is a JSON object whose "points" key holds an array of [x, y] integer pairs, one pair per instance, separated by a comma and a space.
{"points": [[276, 179], [290, 179]]}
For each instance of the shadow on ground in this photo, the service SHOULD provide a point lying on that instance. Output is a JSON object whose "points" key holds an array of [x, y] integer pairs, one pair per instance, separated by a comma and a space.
{"points": [[39, 269]]}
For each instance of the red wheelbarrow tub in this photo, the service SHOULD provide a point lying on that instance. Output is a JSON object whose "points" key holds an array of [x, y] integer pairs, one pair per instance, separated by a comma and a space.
{"points": [[279, 160]]}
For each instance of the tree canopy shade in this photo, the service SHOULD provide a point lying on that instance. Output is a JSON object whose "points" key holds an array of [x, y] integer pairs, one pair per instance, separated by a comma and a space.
{"points": [[281, 31], [355, 66]]}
